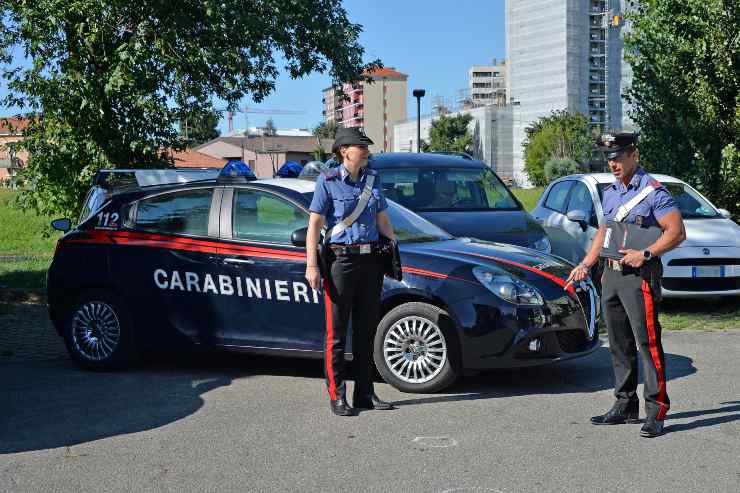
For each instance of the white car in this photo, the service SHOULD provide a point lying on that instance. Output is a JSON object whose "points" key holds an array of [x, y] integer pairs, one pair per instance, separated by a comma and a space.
{"points": [[706, 264]]}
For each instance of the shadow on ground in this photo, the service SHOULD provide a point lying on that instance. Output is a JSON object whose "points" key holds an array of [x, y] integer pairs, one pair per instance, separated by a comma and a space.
{"points": [[57, 404]]}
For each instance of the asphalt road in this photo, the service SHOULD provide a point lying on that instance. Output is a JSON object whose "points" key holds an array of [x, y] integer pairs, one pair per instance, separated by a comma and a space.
{"points": [[235, 423]]}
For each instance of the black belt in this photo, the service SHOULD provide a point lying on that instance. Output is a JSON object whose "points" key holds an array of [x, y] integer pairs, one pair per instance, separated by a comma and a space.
{"points": [[614, 264], [356, 249]]}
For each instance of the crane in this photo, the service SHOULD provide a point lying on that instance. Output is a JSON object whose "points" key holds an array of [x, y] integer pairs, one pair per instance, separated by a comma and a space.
{"points": [[259, 111]]}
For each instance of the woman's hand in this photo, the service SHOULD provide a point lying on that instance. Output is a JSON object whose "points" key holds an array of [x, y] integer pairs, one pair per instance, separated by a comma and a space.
{"points": [[313, 276]]}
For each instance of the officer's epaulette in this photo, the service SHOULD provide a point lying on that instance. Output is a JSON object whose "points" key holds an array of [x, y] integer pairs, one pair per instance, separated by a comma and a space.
{"points": [[332, 174], [655, 183]]}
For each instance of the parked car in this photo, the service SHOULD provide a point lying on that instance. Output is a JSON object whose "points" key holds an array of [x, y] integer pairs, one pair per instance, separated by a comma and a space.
{"points": [[221, 263], [466, 198], [706, 264]]}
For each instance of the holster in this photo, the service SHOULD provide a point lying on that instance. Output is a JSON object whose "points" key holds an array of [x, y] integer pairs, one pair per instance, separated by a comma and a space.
{"points": [[391, 259], [325, 257], [652, 272]]}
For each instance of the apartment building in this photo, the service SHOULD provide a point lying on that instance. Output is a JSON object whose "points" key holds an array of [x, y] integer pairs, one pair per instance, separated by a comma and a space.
{"points": [[375, 106], [565, 55]]}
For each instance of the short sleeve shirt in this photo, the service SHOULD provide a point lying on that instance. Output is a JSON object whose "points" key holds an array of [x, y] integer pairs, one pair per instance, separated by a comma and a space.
{"points": [[336, 196], [657, 204]]}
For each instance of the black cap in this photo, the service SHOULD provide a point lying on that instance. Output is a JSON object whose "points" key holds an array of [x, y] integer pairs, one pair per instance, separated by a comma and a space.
{"points": [[350, 136], [614, 144]]}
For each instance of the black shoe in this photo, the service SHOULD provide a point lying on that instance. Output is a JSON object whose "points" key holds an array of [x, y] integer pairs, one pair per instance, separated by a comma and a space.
{"points": [[616, 416], [340, 407], [652, 428], [371, 401]]}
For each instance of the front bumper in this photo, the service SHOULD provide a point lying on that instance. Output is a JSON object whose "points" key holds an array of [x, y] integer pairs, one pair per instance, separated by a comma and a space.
{"points": [[501, 335], [679, 280]]}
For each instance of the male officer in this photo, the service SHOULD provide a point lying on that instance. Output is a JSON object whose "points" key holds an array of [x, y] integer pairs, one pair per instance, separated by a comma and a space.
{"points": [[631, 286], [354, 276]]}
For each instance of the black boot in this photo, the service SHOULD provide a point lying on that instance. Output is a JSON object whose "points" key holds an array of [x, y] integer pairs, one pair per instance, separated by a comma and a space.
{"points": [[340, 407], [652, 428], [371, 401], [617, 416]]}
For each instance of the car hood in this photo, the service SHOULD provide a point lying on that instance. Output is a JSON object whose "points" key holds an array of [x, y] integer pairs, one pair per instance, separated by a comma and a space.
{"points": [[455, 258], [515, 227], [711, 232]]}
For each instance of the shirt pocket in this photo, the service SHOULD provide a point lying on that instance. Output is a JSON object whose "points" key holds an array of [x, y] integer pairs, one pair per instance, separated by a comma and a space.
{"points": [[343, 207], [374, 201]]}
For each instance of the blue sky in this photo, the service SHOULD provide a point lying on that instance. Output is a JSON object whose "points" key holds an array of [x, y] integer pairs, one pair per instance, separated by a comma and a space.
{"points": [[435, 42]]}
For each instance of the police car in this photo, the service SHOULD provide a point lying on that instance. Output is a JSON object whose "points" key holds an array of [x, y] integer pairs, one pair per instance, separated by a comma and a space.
{"points": [[220, 261]]}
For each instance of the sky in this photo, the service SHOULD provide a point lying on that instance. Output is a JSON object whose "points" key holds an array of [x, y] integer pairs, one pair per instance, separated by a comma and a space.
{"points": [[434, 42]]}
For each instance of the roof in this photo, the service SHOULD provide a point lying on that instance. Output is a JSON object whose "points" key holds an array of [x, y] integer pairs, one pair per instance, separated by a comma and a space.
{"points": [[423, 159], [387, 72], [281, 143], [18, 125], [190, 158]]}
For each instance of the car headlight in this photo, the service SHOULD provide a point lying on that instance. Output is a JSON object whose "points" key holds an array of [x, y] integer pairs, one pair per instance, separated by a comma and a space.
{"points": [[508, 288], [543, 245]]}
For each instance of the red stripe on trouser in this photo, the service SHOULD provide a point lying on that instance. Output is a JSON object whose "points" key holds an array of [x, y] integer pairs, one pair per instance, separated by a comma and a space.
{"points": [[653, 343], [329, 343]]}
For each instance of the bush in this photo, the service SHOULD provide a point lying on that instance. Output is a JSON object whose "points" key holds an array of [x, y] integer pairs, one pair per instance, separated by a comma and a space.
{"points": [[558, 168]]}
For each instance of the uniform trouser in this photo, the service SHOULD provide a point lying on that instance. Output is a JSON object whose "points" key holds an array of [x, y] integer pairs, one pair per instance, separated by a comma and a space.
{"points": [[352, 290], [629, 302]]}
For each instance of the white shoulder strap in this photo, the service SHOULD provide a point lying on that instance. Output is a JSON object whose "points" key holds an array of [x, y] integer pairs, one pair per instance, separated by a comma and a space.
{"points": [[364, 199], [626, 208]]}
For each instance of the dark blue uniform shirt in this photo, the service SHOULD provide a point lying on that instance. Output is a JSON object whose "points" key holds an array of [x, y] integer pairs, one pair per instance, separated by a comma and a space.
{"points": [[335, 198], [658, 203]]}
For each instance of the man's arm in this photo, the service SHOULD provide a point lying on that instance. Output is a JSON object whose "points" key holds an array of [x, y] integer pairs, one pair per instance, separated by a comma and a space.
{"points": [[315, 223], [580, 272], [673, 234]]}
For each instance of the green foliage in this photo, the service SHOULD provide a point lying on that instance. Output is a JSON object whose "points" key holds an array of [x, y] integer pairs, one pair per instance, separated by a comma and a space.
{"points": [[559, 167], [108, 81], [198, 128], [685, 94], [450, 133], [320, 154], [326, 130], [560, 136]]}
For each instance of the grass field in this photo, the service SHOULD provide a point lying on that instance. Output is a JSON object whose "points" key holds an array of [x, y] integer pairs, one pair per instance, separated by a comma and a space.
{"points": [[29, 240]]}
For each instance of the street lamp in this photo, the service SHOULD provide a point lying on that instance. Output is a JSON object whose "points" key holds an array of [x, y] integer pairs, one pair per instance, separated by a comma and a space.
{"points": [[418, 94]]}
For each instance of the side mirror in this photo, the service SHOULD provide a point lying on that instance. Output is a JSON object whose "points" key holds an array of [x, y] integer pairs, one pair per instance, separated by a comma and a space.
{"points": [[578, 216], [63, 225], [724, 213], [298, 238]]}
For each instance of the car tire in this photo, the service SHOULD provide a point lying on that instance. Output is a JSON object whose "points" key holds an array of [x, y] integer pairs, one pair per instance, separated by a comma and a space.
{"points": [[415, 348], [98, 331]]}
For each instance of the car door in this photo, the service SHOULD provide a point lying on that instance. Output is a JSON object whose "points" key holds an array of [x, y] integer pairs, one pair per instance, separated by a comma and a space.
{"points": [[271, 305], [166, 249], [581, 200]]}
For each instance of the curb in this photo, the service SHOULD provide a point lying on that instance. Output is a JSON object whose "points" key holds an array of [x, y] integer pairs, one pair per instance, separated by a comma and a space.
{"points": [[11, 295]]}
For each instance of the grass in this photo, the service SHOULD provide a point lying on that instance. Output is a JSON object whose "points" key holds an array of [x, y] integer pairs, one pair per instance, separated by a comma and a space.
{"points": [[528, 196]]}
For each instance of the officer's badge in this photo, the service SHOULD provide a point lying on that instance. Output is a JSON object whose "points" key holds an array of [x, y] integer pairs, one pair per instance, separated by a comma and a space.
{"points": [[608, 139], [639, 220]]}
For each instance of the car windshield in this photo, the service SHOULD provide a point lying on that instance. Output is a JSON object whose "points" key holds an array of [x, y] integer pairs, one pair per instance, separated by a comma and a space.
{"points": [[690, 203], [446, 189], [409, 227]]}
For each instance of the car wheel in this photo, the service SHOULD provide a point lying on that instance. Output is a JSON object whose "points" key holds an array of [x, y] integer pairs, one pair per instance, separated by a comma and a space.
{"points": [[415, 349], [98, 331]]}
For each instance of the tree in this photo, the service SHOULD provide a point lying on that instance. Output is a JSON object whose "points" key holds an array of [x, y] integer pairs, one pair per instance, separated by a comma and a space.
{"points": [[270, 129], [685, 92], [559, 167], [326, 130], [450, 133], [560, 136], [320, 154], [195, 129], [108, 81]]}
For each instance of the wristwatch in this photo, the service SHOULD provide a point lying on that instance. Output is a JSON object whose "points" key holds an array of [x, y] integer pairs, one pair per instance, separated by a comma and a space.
{"points": [[647, 254]]}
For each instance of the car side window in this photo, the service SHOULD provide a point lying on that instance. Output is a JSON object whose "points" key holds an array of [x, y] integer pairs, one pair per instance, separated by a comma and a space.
{"points": [[557, 196], [264, 217], [184, 212], [580, 199]]}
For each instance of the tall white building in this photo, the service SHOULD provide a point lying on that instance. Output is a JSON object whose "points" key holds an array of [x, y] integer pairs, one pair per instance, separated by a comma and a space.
{"points": [[486, 85], [563, 55]]}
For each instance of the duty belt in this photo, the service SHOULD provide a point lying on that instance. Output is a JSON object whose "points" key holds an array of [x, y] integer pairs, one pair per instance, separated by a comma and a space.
{"points": [[615, 265], [356, 249]]}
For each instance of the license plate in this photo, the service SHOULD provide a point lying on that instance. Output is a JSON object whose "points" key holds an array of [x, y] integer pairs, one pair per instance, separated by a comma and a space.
{"points": [[708, 271]]}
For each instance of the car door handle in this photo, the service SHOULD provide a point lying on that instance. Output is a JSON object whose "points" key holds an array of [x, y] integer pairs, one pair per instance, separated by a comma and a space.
{"points": [[238, 261]]}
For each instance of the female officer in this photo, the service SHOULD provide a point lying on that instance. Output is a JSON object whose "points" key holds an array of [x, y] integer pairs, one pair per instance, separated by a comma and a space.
{"points": [[354, 270]]}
